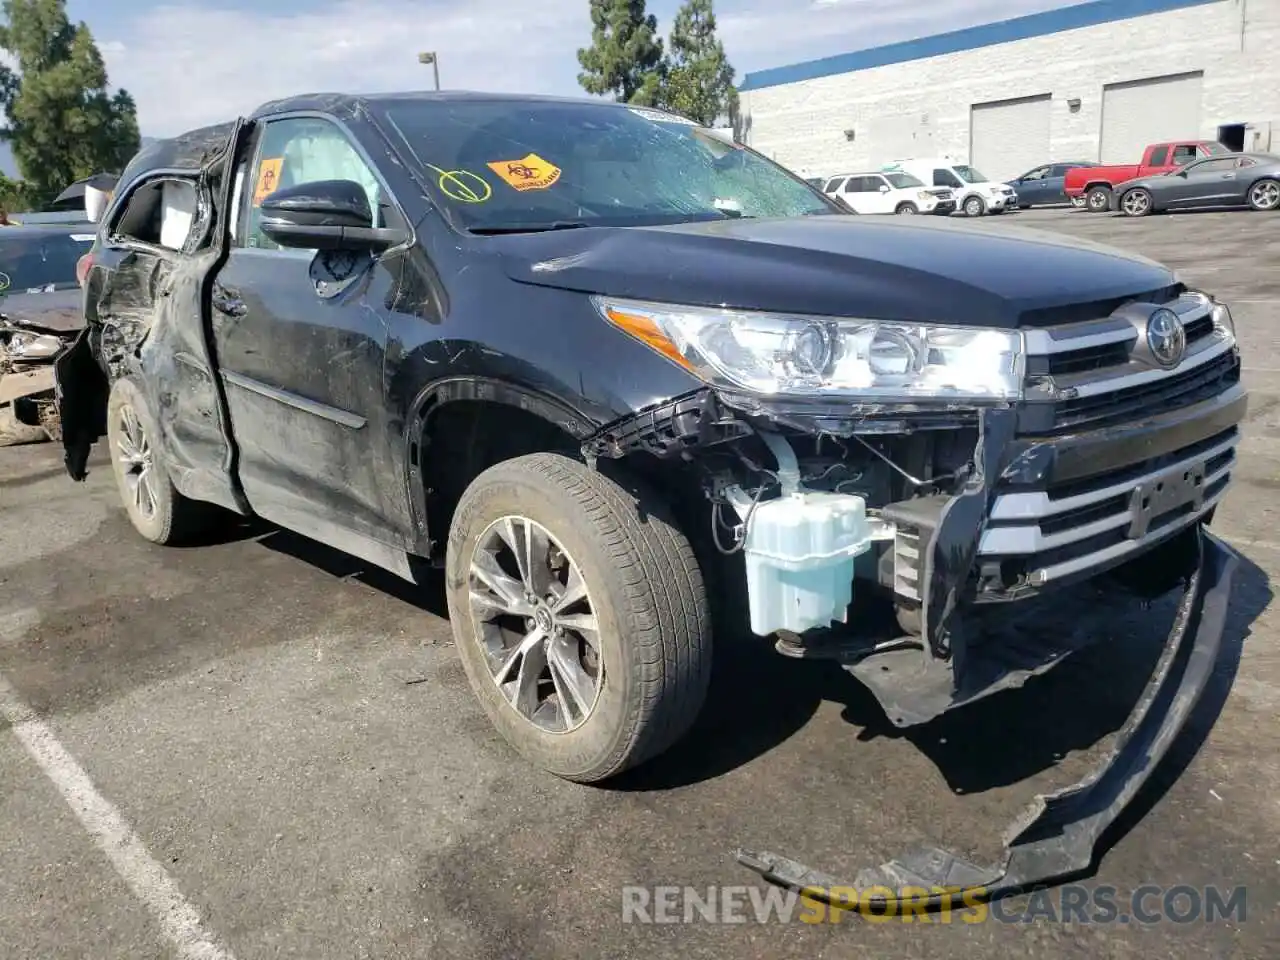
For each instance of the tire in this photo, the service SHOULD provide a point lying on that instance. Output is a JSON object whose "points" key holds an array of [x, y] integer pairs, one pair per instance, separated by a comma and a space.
{"points": [[1137, 203], [974, 207], [1265, 195], [1098, 199], [643, 585], [131, 435], [907, 210], [13, 432]]}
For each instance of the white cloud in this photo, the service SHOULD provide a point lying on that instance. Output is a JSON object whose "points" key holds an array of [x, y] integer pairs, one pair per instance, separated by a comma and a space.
{"points": [[188, 64]]}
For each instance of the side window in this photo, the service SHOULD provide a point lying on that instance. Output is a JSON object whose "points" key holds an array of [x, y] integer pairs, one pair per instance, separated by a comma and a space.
{"points": [[159, 213], [944, 178], [1159, 156], [1059, 170], [875, 183], [1184, 153], [1214, 166], [1039, 173], [856, 185], [302, 150], [834, 184]]}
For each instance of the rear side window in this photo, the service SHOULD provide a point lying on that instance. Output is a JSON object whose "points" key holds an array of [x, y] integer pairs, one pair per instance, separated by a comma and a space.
{"points": [[159, 214], [943, 177], [1158, 156], [33, 260], [833, 185]]}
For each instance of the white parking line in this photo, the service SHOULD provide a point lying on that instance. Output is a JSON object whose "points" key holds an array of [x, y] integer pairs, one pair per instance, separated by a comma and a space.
{"points": [[149, 881]]}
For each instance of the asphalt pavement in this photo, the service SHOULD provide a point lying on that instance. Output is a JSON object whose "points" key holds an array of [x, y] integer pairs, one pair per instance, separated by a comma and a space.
{"points": [[255, 748]]}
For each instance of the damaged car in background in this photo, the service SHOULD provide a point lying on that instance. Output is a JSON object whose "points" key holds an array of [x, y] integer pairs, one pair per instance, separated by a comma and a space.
{"points": [[40, 315], [620, 378]]}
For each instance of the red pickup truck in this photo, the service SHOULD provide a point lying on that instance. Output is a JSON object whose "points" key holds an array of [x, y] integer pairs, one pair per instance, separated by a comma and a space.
{"points": [[1094, 184]]}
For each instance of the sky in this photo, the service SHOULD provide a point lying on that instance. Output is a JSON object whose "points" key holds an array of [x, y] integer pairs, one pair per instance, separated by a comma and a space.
{"points": [[193, 62]]}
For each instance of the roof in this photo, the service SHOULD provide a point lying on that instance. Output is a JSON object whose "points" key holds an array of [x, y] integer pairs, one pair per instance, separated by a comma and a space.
{"points": [[352, 103], [972, 38]]}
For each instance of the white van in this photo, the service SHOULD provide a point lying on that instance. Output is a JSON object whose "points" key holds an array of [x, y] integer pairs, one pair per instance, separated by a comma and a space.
{"points": [[899, 193], [974, 193]]}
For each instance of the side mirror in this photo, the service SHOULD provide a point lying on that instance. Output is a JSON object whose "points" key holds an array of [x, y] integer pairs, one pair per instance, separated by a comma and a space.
{"points": [[884, 188], [325, 215]]}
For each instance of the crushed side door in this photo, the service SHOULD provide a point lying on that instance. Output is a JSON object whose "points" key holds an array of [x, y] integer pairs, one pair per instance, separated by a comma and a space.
{"points": [[148, 308]]}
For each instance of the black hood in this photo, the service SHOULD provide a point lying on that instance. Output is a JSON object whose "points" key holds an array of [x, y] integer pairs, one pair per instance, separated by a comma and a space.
{"points": [[879, 268]]}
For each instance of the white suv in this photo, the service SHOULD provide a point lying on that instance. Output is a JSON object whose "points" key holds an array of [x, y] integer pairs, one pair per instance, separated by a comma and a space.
{"points": [[898, 193], [974, 193]]}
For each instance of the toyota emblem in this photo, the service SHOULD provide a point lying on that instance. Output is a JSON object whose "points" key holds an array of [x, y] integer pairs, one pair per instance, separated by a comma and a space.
{"points": [[1166, 337]]}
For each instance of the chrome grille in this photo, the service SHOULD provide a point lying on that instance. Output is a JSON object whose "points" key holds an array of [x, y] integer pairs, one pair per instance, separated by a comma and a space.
{"points": [[1099, 371]]}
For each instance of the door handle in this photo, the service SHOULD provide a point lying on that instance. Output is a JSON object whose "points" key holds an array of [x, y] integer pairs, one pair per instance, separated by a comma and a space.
{"points": [[231, 306]]}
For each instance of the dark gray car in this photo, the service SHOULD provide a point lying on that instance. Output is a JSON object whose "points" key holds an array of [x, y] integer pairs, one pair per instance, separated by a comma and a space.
{"points": [[1225, 180]]}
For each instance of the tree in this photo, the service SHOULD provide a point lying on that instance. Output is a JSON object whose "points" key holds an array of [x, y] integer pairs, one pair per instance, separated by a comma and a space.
{"points": [[625, 56], [698, 81], [63, 123]]}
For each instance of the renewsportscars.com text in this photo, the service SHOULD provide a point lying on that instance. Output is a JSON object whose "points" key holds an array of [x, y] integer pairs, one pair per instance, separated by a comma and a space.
{"points": [[1070, 903]]}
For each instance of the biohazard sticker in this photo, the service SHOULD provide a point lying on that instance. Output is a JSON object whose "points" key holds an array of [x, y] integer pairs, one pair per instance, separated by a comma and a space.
{"points": [[268, 179], [531, 173]]}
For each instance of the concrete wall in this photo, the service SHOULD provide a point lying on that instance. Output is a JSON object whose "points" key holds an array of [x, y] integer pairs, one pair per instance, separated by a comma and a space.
{"points": [[1235, 42]]}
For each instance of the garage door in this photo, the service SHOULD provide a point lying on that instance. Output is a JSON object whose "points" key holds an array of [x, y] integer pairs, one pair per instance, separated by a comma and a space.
{"points": [[1010, 137], [1142, 112]]}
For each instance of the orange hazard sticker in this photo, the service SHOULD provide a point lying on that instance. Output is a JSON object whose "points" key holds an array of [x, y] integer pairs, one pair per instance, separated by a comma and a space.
{"points": [[268, 179], [531, 173]]}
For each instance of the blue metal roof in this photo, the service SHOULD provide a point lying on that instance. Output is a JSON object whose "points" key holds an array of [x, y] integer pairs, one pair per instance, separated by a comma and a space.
{"points": [[986, 35]]}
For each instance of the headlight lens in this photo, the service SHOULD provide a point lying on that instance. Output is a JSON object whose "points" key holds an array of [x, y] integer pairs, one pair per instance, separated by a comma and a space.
{"points": [[32, 346], [1223, 320], [774, 354]]}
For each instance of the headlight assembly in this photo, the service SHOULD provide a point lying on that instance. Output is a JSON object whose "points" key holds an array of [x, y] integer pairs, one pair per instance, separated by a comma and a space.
{"points": [[786, 355], [32, 346]]}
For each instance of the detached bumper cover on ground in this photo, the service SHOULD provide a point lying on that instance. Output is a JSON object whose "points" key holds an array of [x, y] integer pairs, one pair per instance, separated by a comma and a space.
{"points": [[1057, 835]]}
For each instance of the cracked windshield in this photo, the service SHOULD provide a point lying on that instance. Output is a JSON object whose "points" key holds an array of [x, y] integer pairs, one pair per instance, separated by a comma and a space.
{"points": [[506, 167]]}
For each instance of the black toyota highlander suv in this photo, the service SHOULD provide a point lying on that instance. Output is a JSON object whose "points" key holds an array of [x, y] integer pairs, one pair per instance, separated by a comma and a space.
{"points": [[621, 377]]}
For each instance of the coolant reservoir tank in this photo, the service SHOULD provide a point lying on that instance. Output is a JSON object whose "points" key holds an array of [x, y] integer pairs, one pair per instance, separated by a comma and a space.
{"points": [[800, 551]]}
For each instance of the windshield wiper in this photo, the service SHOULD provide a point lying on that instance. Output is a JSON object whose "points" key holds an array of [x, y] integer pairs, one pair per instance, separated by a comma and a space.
{"points": [[493, 229]]}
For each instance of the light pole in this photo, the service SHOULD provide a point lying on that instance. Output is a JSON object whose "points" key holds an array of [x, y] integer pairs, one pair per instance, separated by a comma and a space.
{"points": [[432, 59]]}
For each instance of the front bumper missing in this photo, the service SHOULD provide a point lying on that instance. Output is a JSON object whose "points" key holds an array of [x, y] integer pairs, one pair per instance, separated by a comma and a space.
{"points": [[1057, 835]]}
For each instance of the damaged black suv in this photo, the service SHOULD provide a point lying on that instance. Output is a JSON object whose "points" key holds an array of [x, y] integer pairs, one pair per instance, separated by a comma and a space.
{"points": [[614, 371]]}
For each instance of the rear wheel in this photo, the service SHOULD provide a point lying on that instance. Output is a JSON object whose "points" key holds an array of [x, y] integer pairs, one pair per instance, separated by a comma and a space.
{"points": [[1099, 199], [906, 209], [1136, 203], [974, 207], [1265, 195], [156, 510], [579, 613]]}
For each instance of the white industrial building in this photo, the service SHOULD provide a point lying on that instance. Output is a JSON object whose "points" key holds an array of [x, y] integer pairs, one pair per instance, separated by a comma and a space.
{"points": [[1093, 81]]}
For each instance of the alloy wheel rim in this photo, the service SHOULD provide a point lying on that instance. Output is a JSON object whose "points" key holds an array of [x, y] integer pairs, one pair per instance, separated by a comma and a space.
{"points": [[1266, 195], [133, 448], [535, 624], [973, 207], [1097, 200], [1136, 202]]}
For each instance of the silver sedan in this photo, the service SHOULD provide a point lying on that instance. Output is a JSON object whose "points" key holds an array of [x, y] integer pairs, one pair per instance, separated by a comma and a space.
{"points": [[1223, 180]]}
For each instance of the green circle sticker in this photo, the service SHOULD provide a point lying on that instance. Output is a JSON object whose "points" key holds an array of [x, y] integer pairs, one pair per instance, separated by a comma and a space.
{"points": [[463, 185]]}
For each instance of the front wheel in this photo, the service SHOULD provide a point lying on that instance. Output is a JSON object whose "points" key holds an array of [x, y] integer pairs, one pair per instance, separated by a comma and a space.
{"points": [[580, 615], [1136, 203], [974, 207], [1265, 195], [1098, 199], [906, 210]]}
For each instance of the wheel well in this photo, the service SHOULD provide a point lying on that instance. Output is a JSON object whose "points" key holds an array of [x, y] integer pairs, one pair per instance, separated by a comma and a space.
{"points": [[463, 438], [1098, 183]]}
